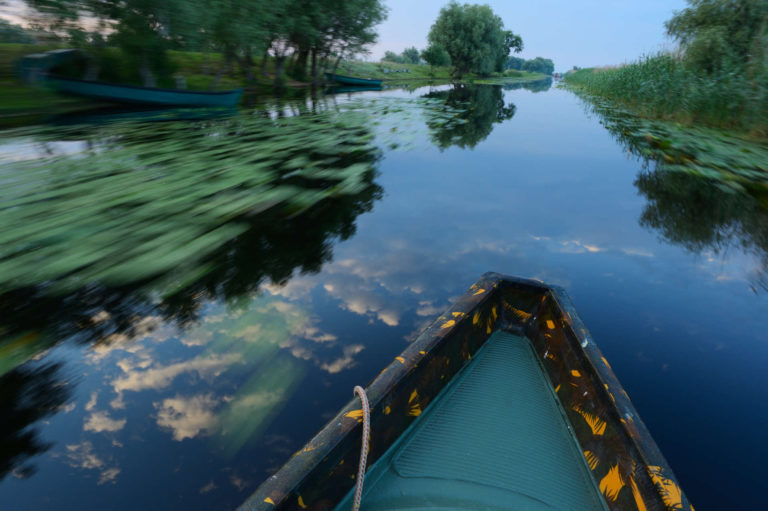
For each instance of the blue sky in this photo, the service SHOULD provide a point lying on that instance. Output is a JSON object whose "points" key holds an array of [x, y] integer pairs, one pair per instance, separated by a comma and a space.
{"points": [[571, 33]]}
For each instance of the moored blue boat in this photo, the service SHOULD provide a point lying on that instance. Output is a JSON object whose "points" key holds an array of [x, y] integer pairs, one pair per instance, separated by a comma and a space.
{"points": [[351, 80], [116, 93]]}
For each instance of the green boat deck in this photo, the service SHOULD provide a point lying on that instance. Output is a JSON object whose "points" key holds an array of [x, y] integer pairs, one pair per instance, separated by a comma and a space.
{"points": [[495, 438]]}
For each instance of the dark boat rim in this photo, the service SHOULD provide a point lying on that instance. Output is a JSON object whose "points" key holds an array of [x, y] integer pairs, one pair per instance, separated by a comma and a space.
{"points": [[50, 76], [325, 467]]}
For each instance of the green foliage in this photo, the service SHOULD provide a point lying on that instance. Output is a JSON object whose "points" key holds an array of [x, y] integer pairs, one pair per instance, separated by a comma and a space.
{"points": [[239, 29], [436, 55], [10, 33], [411, 55], [720, 35], [721, 78], [539, 65], [514, 63], [474, 38], [390, 56], [663, 87]]}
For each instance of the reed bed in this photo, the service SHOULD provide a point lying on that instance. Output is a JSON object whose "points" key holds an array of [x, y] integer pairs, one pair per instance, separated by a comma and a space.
{"points": [[664, 87]]}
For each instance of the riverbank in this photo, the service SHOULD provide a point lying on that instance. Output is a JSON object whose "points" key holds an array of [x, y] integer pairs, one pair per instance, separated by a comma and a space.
{"points": [[21, 104], [664, 88]]}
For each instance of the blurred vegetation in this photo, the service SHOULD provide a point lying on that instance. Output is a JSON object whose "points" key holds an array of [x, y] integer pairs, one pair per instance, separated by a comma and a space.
{"points": [[301, 37], [718, 78]]}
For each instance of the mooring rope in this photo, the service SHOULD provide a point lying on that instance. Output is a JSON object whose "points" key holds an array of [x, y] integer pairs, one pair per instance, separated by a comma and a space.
{"points": [[360, 391]]}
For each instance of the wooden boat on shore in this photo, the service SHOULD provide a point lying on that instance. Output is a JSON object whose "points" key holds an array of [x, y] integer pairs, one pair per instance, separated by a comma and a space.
{"points": [[504, 402], [45, 69], [351, 80], [116, 93]]}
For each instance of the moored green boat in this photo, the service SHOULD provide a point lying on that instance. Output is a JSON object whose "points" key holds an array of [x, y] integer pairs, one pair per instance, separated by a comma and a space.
{"points": [[116, 93], [504, 402], [351, 80]]}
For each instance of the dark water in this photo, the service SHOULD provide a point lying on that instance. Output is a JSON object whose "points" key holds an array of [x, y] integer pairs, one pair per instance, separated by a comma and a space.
{"points": [[185, 303]]}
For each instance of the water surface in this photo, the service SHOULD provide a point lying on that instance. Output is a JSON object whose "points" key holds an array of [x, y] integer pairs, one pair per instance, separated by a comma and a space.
{"points": [[184, 303]]}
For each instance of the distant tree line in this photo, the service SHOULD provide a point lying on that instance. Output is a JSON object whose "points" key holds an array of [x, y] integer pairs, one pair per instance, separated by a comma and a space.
{"points": [[408, 56], [12, 33], [537, 65], [303, 37]]}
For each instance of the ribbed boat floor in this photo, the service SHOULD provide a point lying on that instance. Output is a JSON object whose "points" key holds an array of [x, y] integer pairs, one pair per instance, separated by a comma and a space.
{"points": [[496, 438]]}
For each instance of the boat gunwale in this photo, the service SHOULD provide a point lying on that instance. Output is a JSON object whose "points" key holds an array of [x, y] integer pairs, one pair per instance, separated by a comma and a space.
{"points": [[545, 314], [51, 76], [353, 80]]}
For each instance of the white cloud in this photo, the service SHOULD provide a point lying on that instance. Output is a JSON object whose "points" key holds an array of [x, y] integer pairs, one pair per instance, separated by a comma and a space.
{"points": [[82, 456], [160, 377], [91, 402], [99, 422], [345, 362], [187, 417]]}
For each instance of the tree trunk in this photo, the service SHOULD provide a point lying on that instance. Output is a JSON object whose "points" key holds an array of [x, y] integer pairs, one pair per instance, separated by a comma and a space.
{"points": [[246, 64], [335, 66], [279, 65], [147, 76], [264, 59], [300, 66], [315, 80]]}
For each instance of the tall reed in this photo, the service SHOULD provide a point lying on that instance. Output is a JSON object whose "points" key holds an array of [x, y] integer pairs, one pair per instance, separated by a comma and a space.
{"points": [[665, 87]]}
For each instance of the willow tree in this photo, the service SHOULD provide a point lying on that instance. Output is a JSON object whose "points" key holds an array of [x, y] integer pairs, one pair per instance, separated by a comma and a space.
{"points": [[474, 37]]}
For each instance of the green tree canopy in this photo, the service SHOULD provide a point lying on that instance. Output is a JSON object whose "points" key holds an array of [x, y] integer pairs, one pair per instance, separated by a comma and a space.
{"points": [[514, 63], [474, 38], [436, 55], [411, 55], [715, 34], [11, 33], [539, 65], [391, 56]]}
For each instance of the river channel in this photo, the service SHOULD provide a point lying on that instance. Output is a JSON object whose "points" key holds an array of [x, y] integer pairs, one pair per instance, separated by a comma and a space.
{"points": [[185, 299]]}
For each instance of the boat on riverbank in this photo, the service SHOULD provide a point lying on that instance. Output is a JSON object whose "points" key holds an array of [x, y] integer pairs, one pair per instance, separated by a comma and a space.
{"points": [[43, 69], [351, 80], [504, 402], [129, 94]]}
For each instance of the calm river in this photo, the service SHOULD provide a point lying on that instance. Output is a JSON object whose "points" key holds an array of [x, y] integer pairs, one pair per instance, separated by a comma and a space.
{"points": [[183, 303]]}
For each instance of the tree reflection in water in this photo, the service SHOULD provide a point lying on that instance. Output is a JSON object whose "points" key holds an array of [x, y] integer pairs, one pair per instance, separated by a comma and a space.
{"points": [[478, 108], [703, 190], [536, 86], [700, 216], [28, 395]]}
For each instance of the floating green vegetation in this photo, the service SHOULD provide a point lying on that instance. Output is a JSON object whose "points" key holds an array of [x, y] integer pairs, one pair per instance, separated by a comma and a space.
{"points": [[110, 219], [733, 162], [125, 202]]}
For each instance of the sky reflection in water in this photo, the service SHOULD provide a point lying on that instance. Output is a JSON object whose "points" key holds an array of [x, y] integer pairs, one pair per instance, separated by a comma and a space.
{"points": [[189, 398]]}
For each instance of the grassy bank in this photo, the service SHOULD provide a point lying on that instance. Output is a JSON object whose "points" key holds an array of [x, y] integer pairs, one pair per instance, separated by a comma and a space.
{"points": [[21, 104], [663, 87]]}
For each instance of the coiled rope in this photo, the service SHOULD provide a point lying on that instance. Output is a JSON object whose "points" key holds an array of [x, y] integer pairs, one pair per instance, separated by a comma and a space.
{"points": [[360, 391]]}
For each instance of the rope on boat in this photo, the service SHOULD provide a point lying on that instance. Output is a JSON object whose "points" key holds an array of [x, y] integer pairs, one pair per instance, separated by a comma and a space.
{"points": [[360, 391]]}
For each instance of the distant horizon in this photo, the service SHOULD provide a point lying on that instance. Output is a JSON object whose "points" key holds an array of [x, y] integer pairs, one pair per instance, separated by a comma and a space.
{"points": [[589, 33], [593, 33]]}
